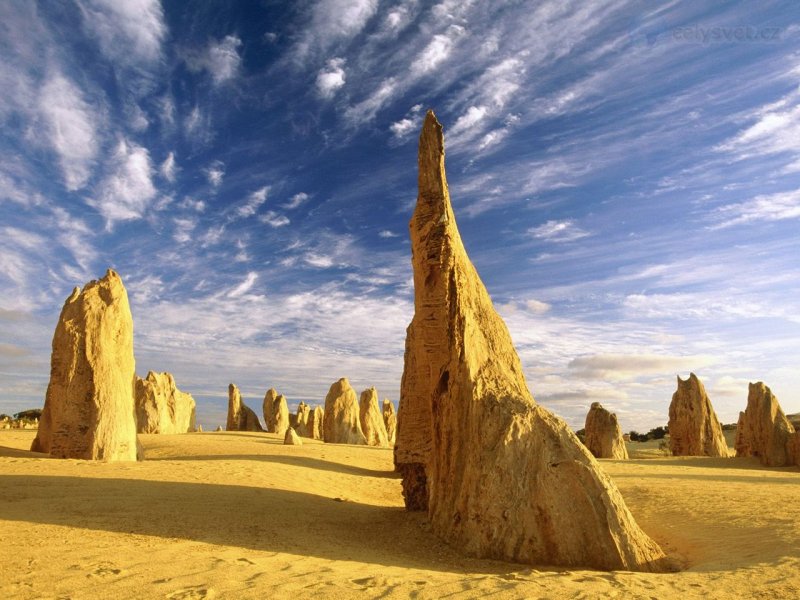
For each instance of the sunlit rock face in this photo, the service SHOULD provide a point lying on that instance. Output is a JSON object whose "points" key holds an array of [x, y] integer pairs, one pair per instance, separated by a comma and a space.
{"points": [[501, 476], [603, 434], [342, 423], [161, 407], [764, 431], [89, 409], [371, 419], [694, 429]]}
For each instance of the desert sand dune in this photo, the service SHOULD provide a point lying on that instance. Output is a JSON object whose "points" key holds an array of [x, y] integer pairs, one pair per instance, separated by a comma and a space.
{"points": [[240, 515]]}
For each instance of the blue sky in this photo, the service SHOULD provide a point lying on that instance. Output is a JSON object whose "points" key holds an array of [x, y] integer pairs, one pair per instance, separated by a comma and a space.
{"points": [[626, 176]]}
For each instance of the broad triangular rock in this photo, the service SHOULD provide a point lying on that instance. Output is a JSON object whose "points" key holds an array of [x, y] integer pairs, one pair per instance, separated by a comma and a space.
{"points": [[291, 438], [603, 434], [505, 478], [89, 409], [371, 419], [341, 423], [161, 407], [694, 429], [240, 416], [390, 420], [764, 431]]}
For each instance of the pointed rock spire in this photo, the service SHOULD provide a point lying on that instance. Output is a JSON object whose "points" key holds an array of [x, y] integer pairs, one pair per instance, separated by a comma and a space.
{"points": [[694, 429], [501, 476], [89, 409]]}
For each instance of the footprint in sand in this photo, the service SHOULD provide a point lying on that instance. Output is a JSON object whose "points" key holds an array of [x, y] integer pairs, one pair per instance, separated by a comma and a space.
{"points": [[104, 570], [191, 593]]}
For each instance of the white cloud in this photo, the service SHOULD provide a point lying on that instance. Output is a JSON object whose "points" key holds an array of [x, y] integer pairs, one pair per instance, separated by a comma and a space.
{"points": [[253, 202], [168, 168], [127, 190], [769, 207], [69, 127], [629, 366], [126, 31], [183, 229], [296, 200], [192, 204], [243, 287], [321, 261], [273, 219], [331, 78], [399, 17], [537, 307], [334, 21], [435, 53], [471, 118], [369, 107], [215, 172], [385, 233], [220, 58], [558, 231], [406, 126]]}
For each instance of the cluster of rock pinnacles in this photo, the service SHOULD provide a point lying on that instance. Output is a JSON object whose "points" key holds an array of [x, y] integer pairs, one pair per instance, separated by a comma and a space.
{"points": [[499, 475]]}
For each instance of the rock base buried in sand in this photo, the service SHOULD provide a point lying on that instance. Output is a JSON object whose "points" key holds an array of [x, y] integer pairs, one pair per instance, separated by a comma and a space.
{"points": [[694, 429], [291, 438], [341, 423], [764, 431], [240, 416], [89, 410], [161, 407], [603, 434], [505, 478]]}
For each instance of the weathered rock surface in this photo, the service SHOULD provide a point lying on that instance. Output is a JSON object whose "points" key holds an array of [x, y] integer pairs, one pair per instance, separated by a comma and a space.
{"points": [[161, 407], [694, 429], [764, 431], [280, 415], [341, 423], [603, 434], [268, 410], [315, 423], [301, 419], [240, 416], [371, 419], [505, 478], [89, 410], [291, 438], [390, 421], [219, 428]]}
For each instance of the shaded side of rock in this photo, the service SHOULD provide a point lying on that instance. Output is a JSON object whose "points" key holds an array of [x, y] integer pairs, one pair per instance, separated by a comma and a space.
{"points": [[603, 434], [268, 409], [240, 416], [694, 429], [161, 407], [302, 418], [89, 410], [764, 431], [390, 421], [341, 424], [506, 479], [280, 415]]}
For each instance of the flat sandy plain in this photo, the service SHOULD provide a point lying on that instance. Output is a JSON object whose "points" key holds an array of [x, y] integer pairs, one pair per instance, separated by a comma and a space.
{"points": [[240, 515]]}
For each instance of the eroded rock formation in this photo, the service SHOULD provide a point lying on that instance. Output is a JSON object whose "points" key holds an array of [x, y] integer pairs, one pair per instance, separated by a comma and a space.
{"points": [[240, 416], [505, 478], [341, 423], [315, 423], [267, 409], [161, 407], [291, 438], [89, 409], [301, 420], [603, 434], [694, 429], [764, 431], [371, 419], [390, 421], [280, 415]]}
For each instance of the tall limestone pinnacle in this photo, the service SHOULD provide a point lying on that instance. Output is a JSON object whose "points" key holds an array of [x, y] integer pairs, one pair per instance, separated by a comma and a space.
{"points": [[501, 476], [694, 429], [89, 409]]}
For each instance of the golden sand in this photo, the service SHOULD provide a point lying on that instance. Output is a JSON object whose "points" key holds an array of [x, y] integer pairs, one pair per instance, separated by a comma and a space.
{"points": [[240, 515]]}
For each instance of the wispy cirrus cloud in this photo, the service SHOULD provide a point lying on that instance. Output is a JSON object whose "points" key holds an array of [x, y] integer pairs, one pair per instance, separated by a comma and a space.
{"points": [[558, 231]]}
